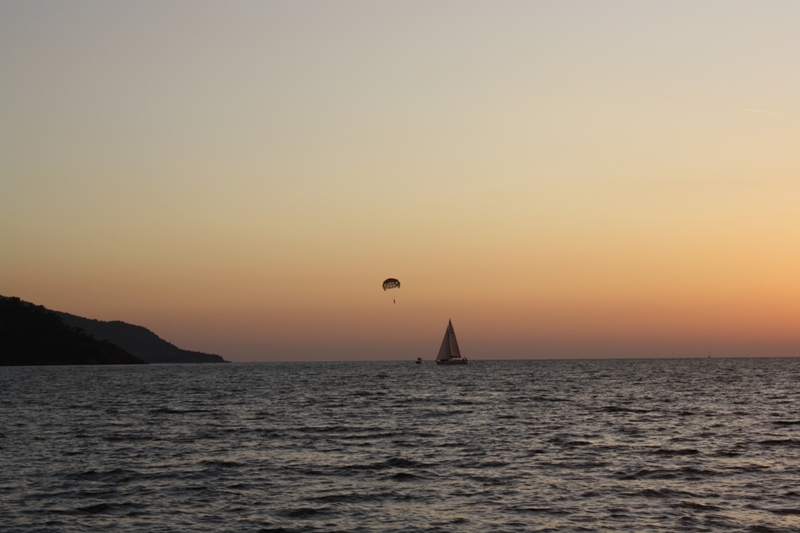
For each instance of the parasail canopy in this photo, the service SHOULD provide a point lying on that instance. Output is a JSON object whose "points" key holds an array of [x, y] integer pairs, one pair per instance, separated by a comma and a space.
{"points": [[391, 283]]}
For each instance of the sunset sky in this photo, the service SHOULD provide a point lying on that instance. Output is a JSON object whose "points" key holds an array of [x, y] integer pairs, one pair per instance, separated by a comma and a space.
{"points": [[560, 178]]}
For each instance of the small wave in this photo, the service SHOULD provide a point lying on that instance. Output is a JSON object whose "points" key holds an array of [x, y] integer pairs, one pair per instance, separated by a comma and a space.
{"points": [[126, 437], [696, 506], [322, 429], [661, 493], [366, 393], [175, 411], [221, 464], [548, 399], [577, 443], [485, 464], [404, 476], [94, 509], [305, 512], [618, 409], [106, 507], [680, 451], [780, 442], [566, 442], [681, 473], [580, 465], [355, 497], [786, 422], [535, 451], [764, 529], [371, 436], [97, 494], [399, 462], [786, 512], [537, 510], [395, 462], [727, 453], [116, 475]]}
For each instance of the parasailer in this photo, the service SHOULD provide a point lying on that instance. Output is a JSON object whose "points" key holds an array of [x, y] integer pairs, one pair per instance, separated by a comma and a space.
{"points": [[391, 284]]}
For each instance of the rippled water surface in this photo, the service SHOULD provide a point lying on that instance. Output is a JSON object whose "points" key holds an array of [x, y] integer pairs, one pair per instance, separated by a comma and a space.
{"points": [[644, 445]]}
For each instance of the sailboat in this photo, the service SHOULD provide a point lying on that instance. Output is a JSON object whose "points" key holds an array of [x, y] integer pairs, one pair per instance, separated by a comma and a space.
{"points": [[449, 354]]}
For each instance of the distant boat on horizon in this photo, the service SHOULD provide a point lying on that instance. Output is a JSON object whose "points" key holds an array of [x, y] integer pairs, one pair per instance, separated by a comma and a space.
{"points": [[449, 354]]}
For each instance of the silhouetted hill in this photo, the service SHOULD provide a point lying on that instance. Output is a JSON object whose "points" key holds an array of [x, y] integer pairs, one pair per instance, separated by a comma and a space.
{"points": [[139, 341], [33, 335]]}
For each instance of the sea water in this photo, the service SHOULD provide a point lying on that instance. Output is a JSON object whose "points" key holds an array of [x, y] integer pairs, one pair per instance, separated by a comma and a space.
{"points": [[611, 445]]}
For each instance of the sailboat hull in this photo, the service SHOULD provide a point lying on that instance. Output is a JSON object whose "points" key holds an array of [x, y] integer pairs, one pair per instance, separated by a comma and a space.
{"points": [[452, 362]]}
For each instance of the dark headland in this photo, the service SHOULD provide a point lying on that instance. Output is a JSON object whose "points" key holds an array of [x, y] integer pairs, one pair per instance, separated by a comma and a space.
{"points": [[34, 335], [139, 341]]}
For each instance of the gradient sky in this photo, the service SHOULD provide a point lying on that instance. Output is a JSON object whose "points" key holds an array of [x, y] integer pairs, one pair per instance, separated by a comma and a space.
{"points": [[559, 178]]}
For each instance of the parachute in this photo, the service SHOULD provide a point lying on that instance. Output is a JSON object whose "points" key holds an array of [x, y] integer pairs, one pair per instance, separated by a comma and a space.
{"points": [[390, 284]]}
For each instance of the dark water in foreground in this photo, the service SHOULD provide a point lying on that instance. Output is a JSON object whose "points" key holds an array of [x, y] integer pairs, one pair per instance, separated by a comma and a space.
{"points": [[658, 445]]}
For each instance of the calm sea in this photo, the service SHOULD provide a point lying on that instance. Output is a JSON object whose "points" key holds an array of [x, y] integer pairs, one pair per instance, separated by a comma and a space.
{"points": [[613, 445]]}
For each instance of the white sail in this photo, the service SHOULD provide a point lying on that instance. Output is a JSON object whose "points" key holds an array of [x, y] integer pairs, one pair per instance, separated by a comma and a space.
{"points": [[454, 351], [449, 349], [444, 352]]}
